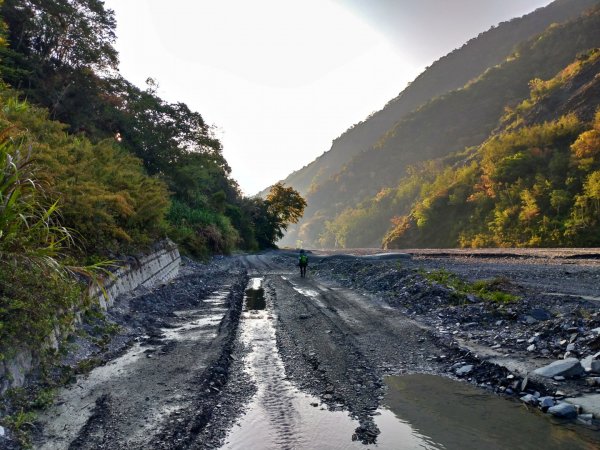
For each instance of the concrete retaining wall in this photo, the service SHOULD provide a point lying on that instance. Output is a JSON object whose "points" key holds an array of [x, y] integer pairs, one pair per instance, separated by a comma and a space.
{"points": [[147, 270]]}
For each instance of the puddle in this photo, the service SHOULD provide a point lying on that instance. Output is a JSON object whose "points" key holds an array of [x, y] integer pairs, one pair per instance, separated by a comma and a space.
{"points": [[427, 411], [418, 412], [280, 416], [195, 324], [255, 295]]}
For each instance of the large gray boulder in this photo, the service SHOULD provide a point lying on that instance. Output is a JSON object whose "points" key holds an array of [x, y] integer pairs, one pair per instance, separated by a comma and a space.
{"points": [[568, 368]]}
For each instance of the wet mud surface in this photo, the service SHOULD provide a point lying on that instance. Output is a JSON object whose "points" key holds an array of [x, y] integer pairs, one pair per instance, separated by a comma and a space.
{"points": [[243, 353]]}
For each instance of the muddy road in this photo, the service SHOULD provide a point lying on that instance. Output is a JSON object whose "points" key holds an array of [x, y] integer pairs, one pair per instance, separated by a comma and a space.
{"points": [[245, 354]]}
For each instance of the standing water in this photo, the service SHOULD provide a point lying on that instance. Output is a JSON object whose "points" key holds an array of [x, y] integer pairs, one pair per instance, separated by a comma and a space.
{"points": [[280, 416], [419, 411], [448, 414]]}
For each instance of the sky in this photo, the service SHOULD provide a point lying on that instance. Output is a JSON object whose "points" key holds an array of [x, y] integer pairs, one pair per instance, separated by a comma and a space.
{"points": [[279, 80]]}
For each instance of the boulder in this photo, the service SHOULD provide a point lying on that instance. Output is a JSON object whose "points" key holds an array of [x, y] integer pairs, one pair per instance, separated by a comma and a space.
{"points": [[564, 411], [569, 368]]}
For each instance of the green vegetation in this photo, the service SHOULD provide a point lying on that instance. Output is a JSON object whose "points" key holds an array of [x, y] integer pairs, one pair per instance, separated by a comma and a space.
{"points": [[450, 72], [92, 167], [489, 290], [20, 423], [530, 185], [354, 208]]}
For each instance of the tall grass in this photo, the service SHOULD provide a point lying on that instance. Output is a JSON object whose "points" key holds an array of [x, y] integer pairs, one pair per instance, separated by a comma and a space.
{"points": [[30, 233]]}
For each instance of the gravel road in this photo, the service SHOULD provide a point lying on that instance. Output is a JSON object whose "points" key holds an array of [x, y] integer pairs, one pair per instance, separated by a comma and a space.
{"points": [[305, 366]]}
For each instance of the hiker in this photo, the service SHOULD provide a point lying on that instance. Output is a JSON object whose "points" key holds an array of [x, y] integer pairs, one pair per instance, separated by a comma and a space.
{"points": [[303, 262]]}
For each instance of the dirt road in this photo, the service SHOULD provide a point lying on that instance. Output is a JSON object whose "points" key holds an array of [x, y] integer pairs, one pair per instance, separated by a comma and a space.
{"points": [[250, 355]]}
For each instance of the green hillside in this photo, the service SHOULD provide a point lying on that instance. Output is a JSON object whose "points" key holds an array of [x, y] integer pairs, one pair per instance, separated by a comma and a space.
{"points": [[444, 126], [448, 73], [93, 168]]}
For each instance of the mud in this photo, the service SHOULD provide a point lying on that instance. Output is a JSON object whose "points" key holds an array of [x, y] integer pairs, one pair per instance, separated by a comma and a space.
{"points": [[243, 353]]}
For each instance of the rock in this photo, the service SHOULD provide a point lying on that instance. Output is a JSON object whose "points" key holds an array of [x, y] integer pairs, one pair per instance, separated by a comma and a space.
{"points": [[546, 402], [530, 320], [563, 410], [558, 378], [533, 340], [570, 347], [531, 348], [570, 367], [591, 364], [594, 344], [2, 432], [540, 314], [524, 383], [587, 363], [529, 400], [464, 370], [586, 419], [593, 381]]}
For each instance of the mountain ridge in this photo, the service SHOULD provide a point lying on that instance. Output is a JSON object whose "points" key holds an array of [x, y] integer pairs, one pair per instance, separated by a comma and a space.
{"points": [[474, 54]]}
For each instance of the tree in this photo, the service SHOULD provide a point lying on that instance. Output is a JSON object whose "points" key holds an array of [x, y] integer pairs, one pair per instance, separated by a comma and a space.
{"points": [[55, 45], [284, 206]]}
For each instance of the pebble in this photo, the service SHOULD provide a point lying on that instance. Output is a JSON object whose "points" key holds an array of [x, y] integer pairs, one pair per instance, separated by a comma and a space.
{"points": [[545, 403], [464, 370], [586, 419], [2, 432], [529, 400]]}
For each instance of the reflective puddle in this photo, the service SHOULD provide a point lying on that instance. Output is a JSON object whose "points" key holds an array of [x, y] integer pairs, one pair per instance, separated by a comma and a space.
{"points": [[427, 411], [255, 296], [195, 324], [418, 411], [280, 416]]}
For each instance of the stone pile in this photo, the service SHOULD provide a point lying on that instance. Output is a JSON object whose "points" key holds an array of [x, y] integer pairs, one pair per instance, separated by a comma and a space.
{"points": [[537, 326]]}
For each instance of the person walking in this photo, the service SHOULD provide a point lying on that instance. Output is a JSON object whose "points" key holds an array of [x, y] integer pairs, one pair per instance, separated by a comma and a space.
{"points": [[303, 263]]}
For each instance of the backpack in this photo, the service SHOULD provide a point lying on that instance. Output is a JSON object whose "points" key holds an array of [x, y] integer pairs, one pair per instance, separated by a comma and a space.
{"points": [[303, 259]]}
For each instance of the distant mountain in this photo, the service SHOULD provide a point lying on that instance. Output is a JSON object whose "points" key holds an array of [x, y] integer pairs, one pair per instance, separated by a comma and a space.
{"points": [[440, 126], [534, 182], [449, 72]]}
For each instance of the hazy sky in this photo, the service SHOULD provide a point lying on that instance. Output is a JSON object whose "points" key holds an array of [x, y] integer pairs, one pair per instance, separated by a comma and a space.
{"points": [[281, 79]]}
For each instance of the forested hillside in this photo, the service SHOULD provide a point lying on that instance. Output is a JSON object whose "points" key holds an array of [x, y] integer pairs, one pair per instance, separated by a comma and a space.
{"points": [[448, 73], [446, 125], [93, 168]]}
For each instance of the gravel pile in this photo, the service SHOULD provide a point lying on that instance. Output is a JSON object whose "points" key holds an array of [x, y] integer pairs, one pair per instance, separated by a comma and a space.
{"points": [[538, 328]]}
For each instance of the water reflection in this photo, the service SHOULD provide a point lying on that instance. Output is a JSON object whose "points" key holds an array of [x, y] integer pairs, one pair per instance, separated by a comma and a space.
{"points": [[255, 295], [446, 414]]}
